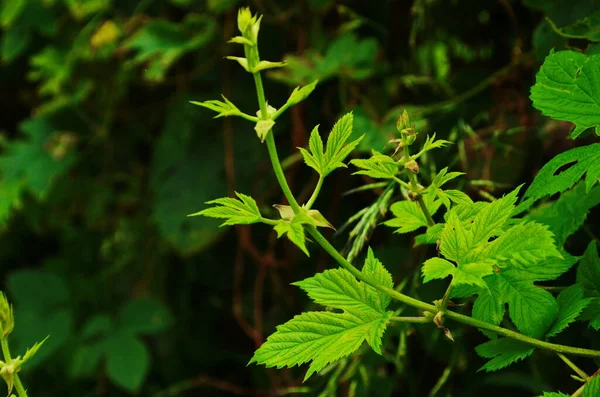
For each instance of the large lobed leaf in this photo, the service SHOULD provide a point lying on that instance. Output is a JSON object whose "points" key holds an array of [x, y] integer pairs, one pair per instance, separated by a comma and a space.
{"points": [[568, 88], [504, 269], [324, 337]]}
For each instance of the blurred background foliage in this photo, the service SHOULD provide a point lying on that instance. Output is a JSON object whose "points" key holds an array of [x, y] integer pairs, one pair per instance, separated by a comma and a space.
{"points": [[102, 157]]}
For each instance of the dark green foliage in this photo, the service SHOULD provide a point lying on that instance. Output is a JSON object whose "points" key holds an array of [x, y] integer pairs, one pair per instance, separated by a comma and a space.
{"points": [[103, 157]]}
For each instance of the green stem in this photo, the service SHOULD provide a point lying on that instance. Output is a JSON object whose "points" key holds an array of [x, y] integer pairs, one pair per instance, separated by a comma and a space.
{"points": [[8, 360], [417, 320], [315, 194], [322, 241], [446, 297], [574, 367], [318, 237], [403, 184], [415, 188]]}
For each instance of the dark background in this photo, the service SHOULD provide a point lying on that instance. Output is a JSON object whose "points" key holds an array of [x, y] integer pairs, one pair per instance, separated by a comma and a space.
{"points": [[103, 157]]}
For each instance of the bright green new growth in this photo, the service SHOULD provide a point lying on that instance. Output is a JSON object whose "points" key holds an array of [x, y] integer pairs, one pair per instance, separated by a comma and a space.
{"points": [[324, 337], [567, 88], [324, 161], [487, 252], [408, 216], [236, 212], [504, 269]]}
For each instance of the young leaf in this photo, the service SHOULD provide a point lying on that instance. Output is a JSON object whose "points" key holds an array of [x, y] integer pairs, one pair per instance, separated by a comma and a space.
{"points": [[324, 337], [431, 143], [236, 212], [553, 394], [506, 267], [581, 160], [223, 108], [316, 157], [408, 215], [444, 176], [571, 303], [378, 166], [337, 148], [294, 231], [503, 352], [567, 88], [300, 94]]}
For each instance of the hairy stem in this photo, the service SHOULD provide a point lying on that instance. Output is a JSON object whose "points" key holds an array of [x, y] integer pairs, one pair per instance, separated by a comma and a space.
{"points": [[417, 320], [8, 360], [415, 188], [315, 194]]}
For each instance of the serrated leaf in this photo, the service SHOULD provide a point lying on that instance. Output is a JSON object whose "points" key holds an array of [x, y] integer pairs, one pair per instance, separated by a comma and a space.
{"points": [[316, 157], [337, 148], [503, 352], [437, 268], [507, 266], [443, 176], [567, 88], [378, 166], [241, 211], [571, 302], [263, 65], [408, 215], [375, 270], [431, 143], [324, 337], [553, 394], [592, 388], [580, 161], [223, 108], [294, 231], [320, 337], [301, 93], [566, 215], [33, 350], [489, 220], [521, 245]]}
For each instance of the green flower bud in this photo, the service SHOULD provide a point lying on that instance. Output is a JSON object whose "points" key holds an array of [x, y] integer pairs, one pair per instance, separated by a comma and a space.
{"points": [[412, 166], [7, 319], [403, 122]]}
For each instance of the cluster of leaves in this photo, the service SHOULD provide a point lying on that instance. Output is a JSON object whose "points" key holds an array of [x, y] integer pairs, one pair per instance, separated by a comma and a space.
{"points": [[102, 158]]}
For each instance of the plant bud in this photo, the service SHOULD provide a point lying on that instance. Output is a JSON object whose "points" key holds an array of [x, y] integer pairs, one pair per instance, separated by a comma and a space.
{"points": [[7, 319], [412, 166], [403, 122]]}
